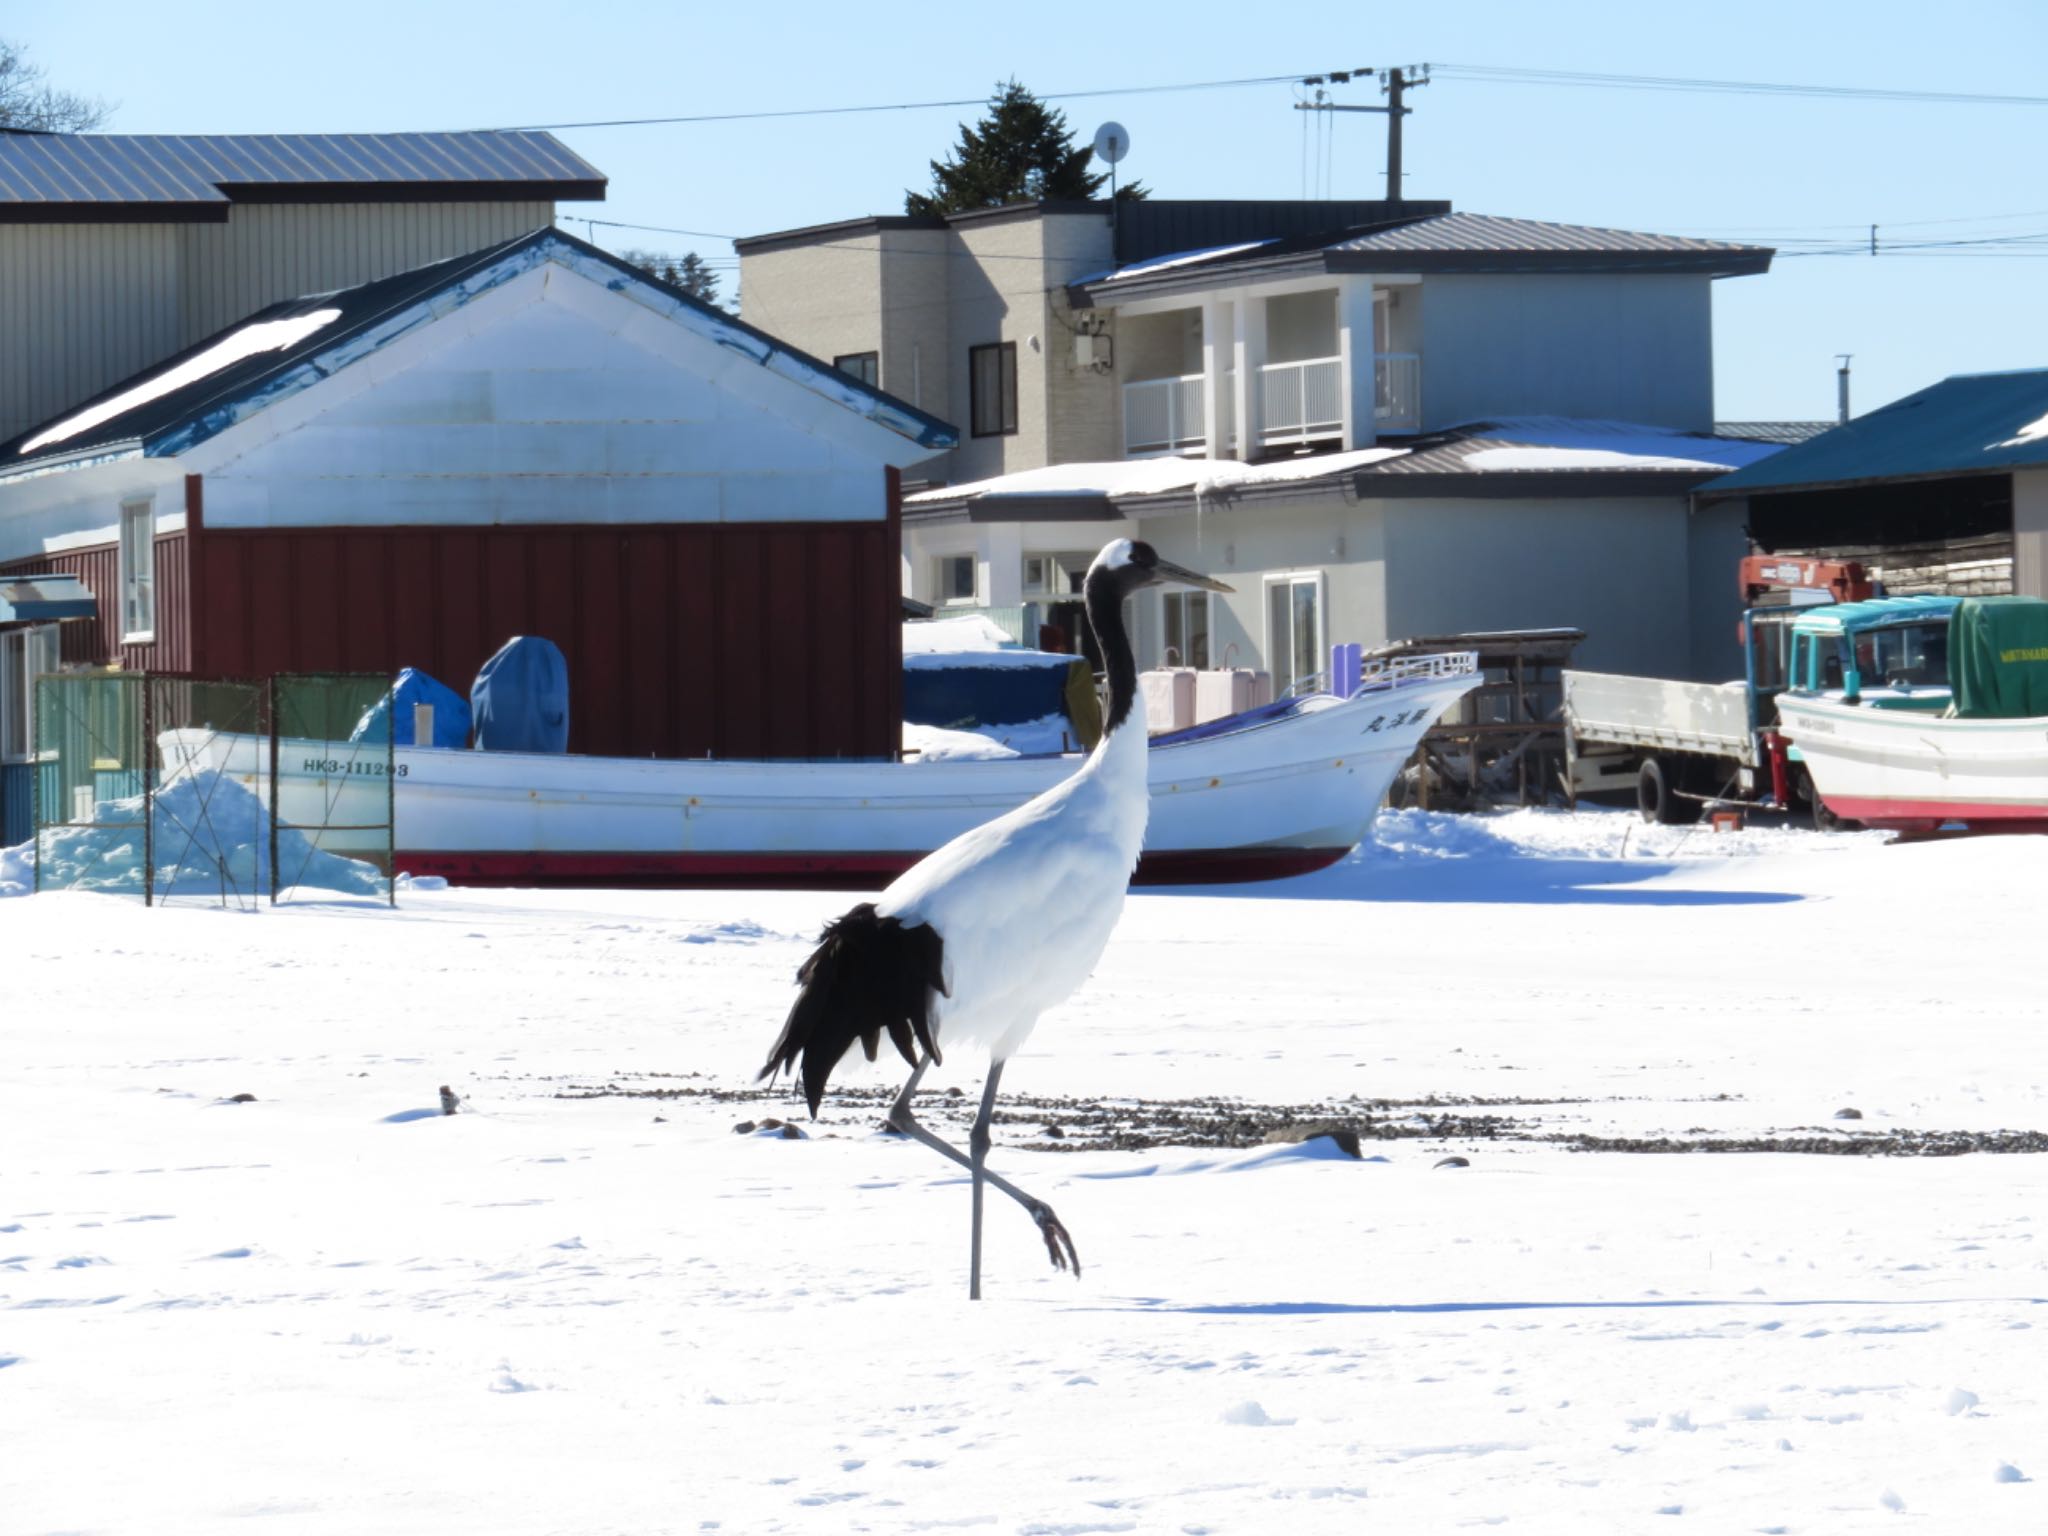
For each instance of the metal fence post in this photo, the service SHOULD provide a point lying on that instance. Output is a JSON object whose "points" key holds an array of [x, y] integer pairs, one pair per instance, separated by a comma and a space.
{"points": [[270, 689], [148, 791]]}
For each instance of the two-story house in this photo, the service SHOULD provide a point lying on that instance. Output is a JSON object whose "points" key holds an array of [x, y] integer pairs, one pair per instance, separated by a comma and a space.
{"points": [[1389, 419]]}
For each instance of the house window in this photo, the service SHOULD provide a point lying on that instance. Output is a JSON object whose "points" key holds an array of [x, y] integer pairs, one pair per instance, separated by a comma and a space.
{"points": [[1294, 630], [25, 655], [1186, 628], [1042, 576], [956, 578], [138, 570], [992, 389], [865, 366]]}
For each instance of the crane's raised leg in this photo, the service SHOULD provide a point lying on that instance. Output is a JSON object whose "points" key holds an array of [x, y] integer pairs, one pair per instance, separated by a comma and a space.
{"points": [[1059, 1245]]}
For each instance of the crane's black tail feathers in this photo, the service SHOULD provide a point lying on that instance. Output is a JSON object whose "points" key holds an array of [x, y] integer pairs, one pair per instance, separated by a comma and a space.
{"points": [[868, 975]]}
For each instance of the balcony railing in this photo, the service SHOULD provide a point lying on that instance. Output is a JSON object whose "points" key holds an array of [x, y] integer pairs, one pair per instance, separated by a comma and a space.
{"points": [[1301, 402], [1164, 416], [1397, 391]]}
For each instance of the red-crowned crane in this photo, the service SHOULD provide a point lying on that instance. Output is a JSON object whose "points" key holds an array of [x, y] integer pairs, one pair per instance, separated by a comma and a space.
{"points": [[976, 940]]}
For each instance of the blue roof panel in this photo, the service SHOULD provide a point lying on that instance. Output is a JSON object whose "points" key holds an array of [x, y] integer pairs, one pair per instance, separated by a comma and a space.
{"points": [[1972, 424]]}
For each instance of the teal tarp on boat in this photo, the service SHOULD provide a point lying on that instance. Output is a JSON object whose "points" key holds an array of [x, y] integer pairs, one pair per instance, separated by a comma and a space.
{"points": [[1998, 658]]}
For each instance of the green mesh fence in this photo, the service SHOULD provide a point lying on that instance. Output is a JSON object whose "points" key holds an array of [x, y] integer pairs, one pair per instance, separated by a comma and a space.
{"points": [[163, 787]]}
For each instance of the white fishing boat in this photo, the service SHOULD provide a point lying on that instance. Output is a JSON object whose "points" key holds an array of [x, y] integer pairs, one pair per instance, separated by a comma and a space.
{"points": [[1917, 773], [1276, 791], [1982, 764]]}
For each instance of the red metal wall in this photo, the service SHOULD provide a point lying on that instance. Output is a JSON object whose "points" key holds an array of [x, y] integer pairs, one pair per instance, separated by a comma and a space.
{"points": [[99, 642], [738, 640]]}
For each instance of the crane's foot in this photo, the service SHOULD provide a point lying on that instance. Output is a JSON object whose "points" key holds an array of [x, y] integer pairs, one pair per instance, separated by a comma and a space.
{"points": [[1059, 1244]]}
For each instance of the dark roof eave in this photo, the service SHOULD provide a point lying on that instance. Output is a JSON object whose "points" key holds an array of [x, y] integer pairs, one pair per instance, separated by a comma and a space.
{"points": [[811, 234], [1707, 492]]}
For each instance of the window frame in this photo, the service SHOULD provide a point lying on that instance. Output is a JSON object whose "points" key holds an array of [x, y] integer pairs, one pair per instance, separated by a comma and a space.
{"points": [[1006, 390], [942, 586], [25, 654], [1318, 581], [138, 571], [870, 374], [1185, 601]]}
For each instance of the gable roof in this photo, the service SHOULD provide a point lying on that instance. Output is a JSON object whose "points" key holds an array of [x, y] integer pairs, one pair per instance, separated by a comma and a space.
{"points": [[78, 177], [1972, 424], [277, 351], [1436, 242]]}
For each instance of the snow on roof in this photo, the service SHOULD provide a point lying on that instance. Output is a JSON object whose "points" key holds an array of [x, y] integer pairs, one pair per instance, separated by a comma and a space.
{"points": [[1563, 442], [1154, 477], [235, 347], [1173, 259]]}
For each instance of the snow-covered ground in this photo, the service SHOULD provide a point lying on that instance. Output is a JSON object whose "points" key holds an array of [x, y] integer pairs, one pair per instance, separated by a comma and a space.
{"points": [[576, 1308]]}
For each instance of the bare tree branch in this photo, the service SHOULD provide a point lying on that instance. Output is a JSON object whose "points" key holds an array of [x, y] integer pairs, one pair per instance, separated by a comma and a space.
{"points": [[27, 101]]}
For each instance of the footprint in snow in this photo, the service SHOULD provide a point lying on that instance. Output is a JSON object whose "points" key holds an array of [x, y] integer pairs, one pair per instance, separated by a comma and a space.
{"points": [[507, 1382], [2005, 1472]]}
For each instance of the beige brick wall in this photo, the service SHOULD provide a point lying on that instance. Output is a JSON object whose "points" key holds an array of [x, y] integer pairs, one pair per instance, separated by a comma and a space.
{"points": [[825, 298], [923, 298]]}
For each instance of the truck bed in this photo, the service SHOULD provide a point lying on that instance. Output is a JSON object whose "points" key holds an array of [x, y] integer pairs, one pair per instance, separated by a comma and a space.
{"points": [[1652, 712]]}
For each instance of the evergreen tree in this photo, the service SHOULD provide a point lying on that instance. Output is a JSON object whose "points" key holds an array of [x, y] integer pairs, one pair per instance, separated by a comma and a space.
{"points": [[689, 272], [26, 102], [1021, 151]]}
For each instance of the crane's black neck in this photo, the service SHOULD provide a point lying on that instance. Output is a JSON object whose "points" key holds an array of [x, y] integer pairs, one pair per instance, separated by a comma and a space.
{"points": [[1105, 599]]}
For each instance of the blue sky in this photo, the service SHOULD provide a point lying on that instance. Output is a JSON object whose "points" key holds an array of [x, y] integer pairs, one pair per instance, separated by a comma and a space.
{"points": [[1763, 168]]}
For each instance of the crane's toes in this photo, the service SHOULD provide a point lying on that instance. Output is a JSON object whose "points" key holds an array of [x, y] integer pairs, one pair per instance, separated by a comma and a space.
{"points": [[1059, 1245]]}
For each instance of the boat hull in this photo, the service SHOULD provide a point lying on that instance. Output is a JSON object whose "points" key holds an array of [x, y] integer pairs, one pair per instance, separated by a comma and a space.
{"points": [[1916, 773], [1276, 797]]}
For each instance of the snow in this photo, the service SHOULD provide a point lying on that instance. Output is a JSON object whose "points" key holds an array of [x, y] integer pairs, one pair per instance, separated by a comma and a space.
{"points": [[1564, 442], [238, 346], [2033, 432], [1154, 477], [1174, 259], [1576, 458], [937, 744], [949, 637], [211, 839], [569, 1308]]}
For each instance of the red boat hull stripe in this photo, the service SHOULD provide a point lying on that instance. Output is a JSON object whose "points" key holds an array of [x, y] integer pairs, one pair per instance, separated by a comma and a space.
{"points": [[839, 871], [1925, 815]]}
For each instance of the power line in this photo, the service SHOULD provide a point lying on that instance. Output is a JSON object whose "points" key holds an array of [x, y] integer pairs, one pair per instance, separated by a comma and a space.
{"points": [[1495, 75], [898, 106]]}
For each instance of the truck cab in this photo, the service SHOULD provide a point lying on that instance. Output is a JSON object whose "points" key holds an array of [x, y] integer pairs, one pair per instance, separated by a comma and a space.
{"points": [[1886, 653]]}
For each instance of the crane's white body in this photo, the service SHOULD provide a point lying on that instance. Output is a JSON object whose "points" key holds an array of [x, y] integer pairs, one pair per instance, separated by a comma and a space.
{"points": [[1026, 903]]}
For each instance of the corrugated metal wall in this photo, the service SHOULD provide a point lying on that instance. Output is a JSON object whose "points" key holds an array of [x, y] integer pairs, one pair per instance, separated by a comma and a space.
{"points": [[267, 252], [83, 306], [759, 640]]}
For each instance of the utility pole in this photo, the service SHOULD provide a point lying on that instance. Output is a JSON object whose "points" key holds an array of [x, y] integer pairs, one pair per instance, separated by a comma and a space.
{"points": [[1393, 82]]}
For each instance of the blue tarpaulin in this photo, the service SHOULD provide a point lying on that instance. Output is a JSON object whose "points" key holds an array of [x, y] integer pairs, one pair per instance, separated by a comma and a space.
{"points": [[412, 686], [520, 700]]}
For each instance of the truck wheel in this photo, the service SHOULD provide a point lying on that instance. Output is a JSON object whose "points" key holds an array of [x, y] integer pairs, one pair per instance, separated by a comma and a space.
{"points": [[1657, 783]]}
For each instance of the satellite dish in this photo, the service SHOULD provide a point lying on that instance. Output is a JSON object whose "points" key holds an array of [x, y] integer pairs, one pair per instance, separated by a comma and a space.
{"points": [[1112, 143]]}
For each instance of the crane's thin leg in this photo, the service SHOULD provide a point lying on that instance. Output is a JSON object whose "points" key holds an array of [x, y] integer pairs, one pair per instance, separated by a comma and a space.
{"points": [[1059, 1245], [977, 1146]]}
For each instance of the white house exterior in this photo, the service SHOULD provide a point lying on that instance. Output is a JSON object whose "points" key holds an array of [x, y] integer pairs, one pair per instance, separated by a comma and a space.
{"points": [[1290, 339]]}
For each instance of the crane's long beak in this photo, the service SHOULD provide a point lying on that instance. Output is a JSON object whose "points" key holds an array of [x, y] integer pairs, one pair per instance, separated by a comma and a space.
{"points": [[1166, 570]]}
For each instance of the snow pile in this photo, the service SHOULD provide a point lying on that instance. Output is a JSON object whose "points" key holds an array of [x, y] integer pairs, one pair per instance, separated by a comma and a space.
{"points": [[936, 744], [210, 834]]}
